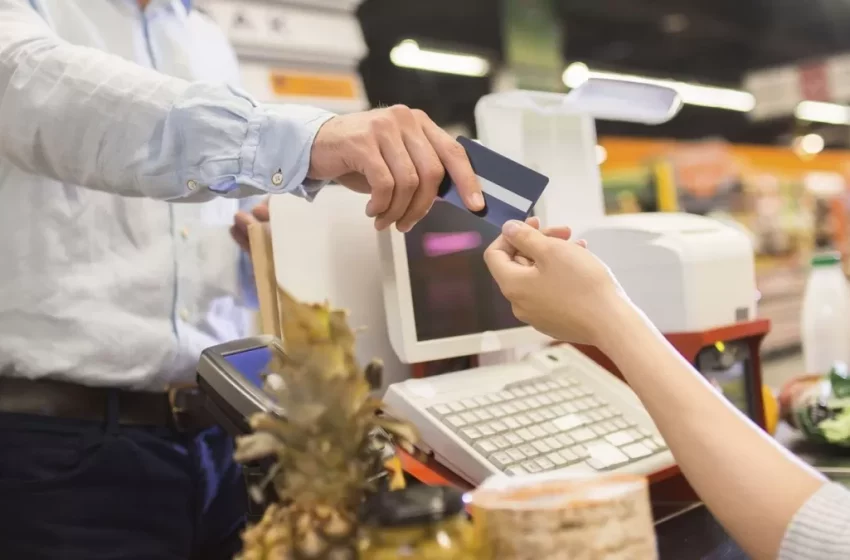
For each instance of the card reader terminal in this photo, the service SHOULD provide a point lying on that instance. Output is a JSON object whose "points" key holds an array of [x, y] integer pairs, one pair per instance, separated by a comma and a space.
{"points": [[231, 377]]}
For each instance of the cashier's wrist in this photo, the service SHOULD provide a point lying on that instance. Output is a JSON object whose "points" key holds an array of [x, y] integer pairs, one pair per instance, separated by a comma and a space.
{"points": [[623, 322]]}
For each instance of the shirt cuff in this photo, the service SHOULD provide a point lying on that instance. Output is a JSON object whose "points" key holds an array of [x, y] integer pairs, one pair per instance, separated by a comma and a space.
{"points": [[821, 529], [276, 153]]}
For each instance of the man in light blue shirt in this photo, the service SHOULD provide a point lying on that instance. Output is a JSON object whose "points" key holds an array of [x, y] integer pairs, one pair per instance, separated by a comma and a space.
{"points": [[111, 113]]}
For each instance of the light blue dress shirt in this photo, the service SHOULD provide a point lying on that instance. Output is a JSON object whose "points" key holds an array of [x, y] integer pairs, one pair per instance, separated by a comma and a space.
{"points": [[105, 279]]}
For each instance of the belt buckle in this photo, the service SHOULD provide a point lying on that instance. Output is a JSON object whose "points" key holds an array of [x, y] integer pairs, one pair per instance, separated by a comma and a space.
{"points": [[183, 409]]}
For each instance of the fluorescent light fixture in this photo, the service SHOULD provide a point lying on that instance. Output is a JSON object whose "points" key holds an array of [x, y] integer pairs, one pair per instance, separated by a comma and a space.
{"points": [[578, 73], [408, 54], [818, 111]]}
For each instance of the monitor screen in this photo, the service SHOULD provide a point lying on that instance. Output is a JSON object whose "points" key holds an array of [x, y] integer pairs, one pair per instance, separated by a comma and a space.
{"points": [[251, 363], [452, 290]]}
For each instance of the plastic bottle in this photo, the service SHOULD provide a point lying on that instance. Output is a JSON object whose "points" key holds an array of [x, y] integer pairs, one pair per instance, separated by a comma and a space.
{"points": [[826, 315]]}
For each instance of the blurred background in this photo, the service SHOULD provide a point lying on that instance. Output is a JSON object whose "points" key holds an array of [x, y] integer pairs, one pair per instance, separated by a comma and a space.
{"points": [[763, 140]]}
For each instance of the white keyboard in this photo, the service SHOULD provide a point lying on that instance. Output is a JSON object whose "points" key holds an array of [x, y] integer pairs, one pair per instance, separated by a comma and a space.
{"points": [[557, 409]]}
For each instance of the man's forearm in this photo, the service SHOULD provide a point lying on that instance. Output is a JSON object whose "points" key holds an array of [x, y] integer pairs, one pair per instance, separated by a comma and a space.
{"points": [[750, 483], [81, 116]]}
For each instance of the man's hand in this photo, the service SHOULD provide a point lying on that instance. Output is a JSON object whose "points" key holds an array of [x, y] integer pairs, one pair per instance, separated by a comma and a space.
{"points": [[241, 221], [553, 284], [399, 157]]}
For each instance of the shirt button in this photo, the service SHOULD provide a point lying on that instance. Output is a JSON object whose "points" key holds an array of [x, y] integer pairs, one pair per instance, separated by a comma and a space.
{"points": [[184, 233], [184, 314], [277, 179], [192, 184]]}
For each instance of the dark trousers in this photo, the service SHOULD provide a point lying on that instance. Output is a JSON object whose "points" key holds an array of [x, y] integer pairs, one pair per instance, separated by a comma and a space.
{"points": [[74, 490]]}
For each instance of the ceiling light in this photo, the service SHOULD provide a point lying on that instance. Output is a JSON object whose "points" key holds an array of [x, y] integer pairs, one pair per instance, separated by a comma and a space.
{"points": [[818, 111], [408, 54], [811, 144], [693, 94]]}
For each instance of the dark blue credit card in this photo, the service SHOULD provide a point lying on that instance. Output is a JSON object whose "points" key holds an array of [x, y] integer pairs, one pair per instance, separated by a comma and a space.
{"points": [[510, 189]]}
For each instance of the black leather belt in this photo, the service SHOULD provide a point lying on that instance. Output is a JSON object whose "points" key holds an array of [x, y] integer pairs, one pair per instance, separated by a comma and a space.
{"points": [[180, 408]]}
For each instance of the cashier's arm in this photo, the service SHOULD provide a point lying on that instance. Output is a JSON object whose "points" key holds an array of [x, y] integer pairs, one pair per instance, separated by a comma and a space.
{"points": [[752, 485], [84, 117]]}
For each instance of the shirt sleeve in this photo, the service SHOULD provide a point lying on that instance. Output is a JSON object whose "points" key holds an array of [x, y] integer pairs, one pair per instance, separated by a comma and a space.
{"points": [[821, 529], [85, 117]]}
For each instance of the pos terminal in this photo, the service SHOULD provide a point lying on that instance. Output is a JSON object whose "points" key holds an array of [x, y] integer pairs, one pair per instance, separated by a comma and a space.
{"points": [[230, 377]]}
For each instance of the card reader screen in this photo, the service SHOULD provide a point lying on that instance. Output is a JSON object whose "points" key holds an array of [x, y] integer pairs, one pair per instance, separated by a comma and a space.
{"points": [[729, 369], [251, 363]]}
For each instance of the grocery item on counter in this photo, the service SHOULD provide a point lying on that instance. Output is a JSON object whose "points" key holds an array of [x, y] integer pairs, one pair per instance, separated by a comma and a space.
{"points": [[562, 515], [819, 406], [825, 322], [421, 522]]}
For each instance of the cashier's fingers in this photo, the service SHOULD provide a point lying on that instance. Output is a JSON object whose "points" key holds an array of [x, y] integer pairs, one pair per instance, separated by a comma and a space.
{"points": [[239, 230], [454, 159]]}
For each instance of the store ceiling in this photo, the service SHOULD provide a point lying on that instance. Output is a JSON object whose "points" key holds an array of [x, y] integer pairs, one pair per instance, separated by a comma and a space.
{"points": [[713, 42]]}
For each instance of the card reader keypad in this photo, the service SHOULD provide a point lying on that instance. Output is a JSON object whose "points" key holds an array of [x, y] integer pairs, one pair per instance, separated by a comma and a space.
{"points": [[547, 423]]}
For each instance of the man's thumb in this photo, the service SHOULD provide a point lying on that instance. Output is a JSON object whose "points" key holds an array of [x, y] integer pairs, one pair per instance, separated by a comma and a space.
{"points": [[526, 239]]}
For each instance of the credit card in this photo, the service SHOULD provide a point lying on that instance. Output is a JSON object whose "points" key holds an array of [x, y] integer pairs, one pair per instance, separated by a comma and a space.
{"points": [[510, 189]]}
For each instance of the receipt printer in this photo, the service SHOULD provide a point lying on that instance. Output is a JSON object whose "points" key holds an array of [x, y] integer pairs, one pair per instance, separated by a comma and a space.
{"points": [[687, 273]]}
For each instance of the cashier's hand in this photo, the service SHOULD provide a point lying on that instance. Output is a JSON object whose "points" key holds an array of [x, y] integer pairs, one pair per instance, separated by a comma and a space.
{"points": [[554, 284], [399, 157], [242, 219]]}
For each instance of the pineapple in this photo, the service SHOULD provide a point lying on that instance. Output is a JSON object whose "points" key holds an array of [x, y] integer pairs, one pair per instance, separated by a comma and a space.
{"points": [[328, 449]]}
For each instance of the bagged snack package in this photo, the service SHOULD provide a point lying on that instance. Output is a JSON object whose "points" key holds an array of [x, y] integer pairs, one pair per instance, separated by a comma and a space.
{"points": [[819, 406]]}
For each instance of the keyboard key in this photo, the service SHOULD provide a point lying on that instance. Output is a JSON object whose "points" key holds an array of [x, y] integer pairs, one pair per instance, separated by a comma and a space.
{"points": [[441, 410], [580, 405], [594, 401], [519, 392], [516, 455], [526, 435], [456, 406], [609, 426], [659, 441], [499, 426], [557, 459], [598, 430], [571, 408], [497, 410], [619, 438], [607, 454], [552, 385], [544, 399], [565, 439], [553, 443], [538, 431], [500, 442], [550, 428], [541, 446], [516, 470], [532, 467], [645, 433], [469, 403], [486, 430], [548, 414], [456, 421], [595, 416], [620, 423], [559, 409], [520, 406], [545, 464], [511, 423], [482, 400], [568, 456], [562, 381], [469, 417], [536, 416], [510, 409], [533, 402], [471, 434], [635, 434], [501, 459], [513, 438], [583, 434], [504, 395], [529, 450], [637, 451], [483, 414], [486, 447], [580, 451], [596, 464], [523, 419], [569, 421]]}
